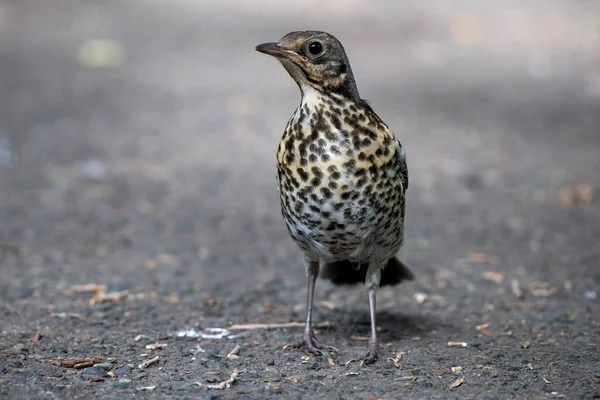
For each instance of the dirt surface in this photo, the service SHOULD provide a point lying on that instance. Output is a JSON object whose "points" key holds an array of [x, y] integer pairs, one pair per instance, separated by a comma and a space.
{"points": [[137, 147]]}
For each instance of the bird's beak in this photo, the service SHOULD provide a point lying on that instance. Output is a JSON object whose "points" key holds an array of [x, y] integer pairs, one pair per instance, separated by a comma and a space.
{"points": [[275, 50], [272, 49]]}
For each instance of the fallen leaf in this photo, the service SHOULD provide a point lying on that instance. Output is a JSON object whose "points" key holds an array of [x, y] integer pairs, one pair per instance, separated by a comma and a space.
{"points": [[493, 276], [478, 257], [579, 195], [457, 383], [457, 344], [525, 344], [541, 289], [156, 346]]}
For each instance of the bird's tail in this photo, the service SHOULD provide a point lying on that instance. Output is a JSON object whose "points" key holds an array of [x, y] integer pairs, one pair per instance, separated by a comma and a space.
{"points": [[346, 272]]}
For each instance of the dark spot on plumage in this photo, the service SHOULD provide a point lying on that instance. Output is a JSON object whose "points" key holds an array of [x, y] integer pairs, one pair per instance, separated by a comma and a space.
{"points": [[366, 142], [332, 185], [368, 190], [345, 187], [331, 169], [313, 147], [336, 122], [336, 110], [362, 156], [325, 157], [386, 151], [289, 158], [303, 162], [362, 118], [335, 150], [360, 172], [349, 153], [303, 174], [302, 148], [325, 214], [322, 143], [314, 209], [329, 135], [315, 182], [312, 158], [314, 134], [356, 142], [371, 158], [338, 206], [379, 152], [343, 69], [348, 213], [295, 183], [349, 165], [328, 194], [317, 172], [346, 112], [353, 108]]}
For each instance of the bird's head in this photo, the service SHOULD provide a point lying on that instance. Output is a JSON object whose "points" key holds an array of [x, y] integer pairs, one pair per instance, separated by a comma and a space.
{"points": [[314, 59]]}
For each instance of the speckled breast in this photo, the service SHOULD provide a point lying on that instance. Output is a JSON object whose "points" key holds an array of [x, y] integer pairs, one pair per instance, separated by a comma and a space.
{"points": [[342, 181]]}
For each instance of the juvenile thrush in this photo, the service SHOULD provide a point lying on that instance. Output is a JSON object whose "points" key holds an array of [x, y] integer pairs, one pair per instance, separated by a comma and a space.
{"points": [[342, 177]]}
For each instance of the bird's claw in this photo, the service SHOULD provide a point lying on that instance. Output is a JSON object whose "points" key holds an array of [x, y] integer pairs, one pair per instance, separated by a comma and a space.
{"points": [[368, 358], [313, 346]]}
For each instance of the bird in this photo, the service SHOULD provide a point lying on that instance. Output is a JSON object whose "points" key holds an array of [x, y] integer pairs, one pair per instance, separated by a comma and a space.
{"points": [[342, 178]]}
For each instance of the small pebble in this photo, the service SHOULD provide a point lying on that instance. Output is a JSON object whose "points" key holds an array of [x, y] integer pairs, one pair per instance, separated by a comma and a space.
{"points": [[122, 370], [589, 295], [94, 371], [122, 383], [104, 366]]}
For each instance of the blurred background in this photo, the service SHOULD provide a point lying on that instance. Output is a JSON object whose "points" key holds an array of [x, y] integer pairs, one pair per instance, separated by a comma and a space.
{"points": [[137, 153], [135, 129]]}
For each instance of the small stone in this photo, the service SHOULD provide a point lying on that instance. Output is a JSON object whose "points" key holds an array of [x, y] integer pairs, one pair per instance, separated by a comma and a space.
{"points": [[119, 286], [94, 371], [123, 370], [122, 383], [104, 366], [15, 364]]}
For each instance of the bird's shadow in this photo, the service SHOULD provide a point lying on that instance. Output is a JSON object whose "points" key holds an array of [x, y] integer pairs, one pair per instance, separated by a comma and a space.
{"points": [[391, 325]]}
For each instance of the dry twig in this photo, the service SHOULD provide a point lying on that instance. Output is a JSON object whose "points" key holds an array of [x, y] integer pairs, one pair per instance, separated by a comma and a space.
{"points": [[234, 353], [222, 385], [238, 327], [148, 363], [76, 363]]}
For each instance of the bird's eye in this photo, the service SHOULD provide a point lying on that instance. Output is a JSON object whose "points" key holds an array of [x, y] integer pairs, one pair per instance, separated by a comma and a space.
{"points": [[315, 48]]}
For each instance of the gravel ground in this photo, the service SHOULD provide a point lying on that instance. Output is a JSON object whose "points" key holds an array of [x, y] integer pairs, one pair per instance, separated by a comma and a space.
{"points": [[137, 147]]}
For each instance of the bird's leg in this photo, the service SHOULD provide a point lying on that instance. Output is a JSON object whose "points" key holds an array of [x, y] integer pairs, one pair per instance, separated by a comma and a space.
{"points": [[309, 340], [372, 284]]}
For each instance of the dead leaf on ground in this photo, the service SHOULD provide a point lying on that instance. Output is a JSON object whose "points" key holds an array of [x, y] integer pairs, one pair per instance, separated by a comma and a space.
{"points": [[108, 297], [493, 276], [541, 289], [156, 346], [579, 195], [478, 257], [457, 383], [457, 344]]}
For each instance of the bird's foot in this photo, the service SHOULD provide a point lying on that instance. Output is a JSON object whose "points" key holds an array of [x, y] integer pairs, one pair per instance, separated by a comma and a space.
{"points": [[369, 357], [313, 346]]}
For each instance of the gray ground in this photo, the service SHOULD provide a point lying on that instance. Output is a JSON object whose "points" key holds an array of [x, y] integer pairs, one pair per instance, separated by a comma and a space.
{"points": [[154, 175]]}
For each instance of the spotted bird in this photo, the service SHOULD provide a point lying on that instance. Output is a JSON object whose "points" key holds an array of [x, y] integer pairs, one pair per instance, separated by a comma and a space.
{"points": [[342, 177]]}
